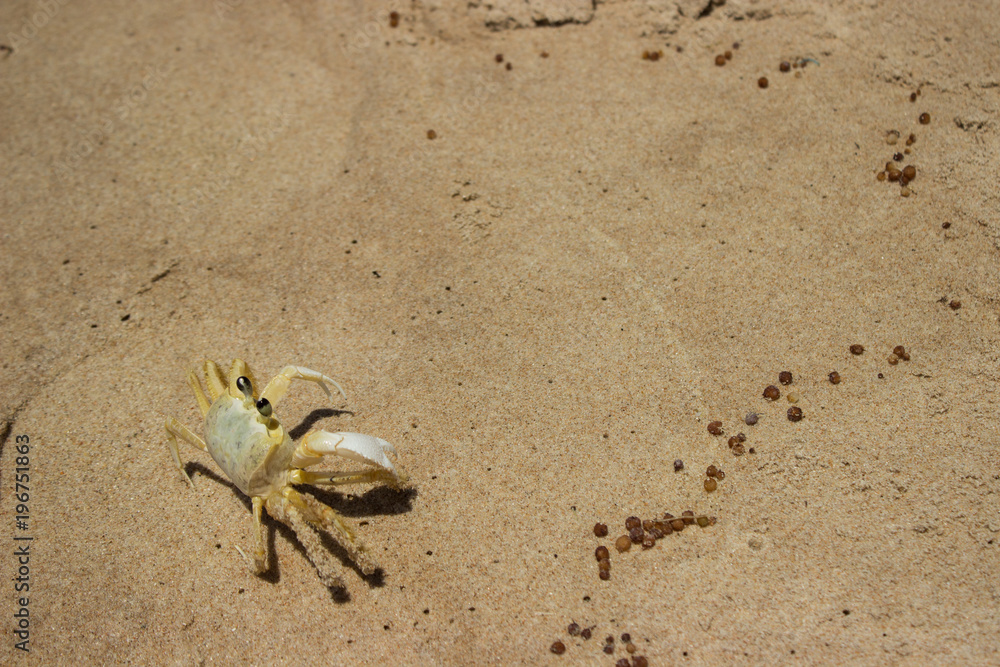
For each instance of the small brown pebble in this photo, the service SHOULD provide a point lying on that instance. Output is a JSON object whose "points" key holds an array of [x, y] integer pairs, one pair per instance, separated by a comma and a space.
{"points": [[609, 648], [585, 633], [655, 55], [898, 157], [601, 552], [736, 46], [656, 533], [857, 349], [509, 67], [703, 521], [630, 648], [785, 377], [785, 66], [678, 465], [900, 352], [905, 191], [752, 450], [710, 484], [955, 304], [623, 544], [498, 57], [610, 639], [647, 525], [738, 450], [762, 82], [720, 60], [623, 662], [945, 225], [880, 176], [544, 54], [601, 529], [667, 515], [604, 574], [715, 428], [636, 535], [924, 118], [721, 475], [573, 630], [909, 172], [626, 637], [648, 542], [639, 661], [632, 522], [772, 393], [431, 134], [893, 360], [677, 525], [794, 414], [645, 54], [912, 139], [604, 564], [558, 647], [728, 55], [741, 437], [688, 517], [913, 97], [711, 471], [393, 19], [733, 441], [751, 418], [834, 377], [893, 174]]}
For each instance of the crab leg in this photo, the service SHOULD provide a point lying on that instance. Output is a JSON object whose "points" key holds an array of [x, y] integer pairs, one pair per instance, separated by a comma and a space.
{"points": [[354, 446], [307, 515], [278, 386], [214, 380], [344, 478], [199, 395], [176, 430], [259, 563]]}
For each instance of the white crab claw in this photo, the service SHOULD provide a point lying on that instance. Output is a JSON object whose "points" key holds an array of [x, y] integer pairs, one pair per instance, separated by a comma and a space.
{"points": [[354, 446], [365, 449]]}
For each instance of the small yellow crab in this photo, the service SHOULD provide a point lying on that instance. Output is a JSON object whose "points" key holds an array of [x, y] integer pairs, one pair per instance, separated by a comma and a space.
{"points": [[253, 449]]}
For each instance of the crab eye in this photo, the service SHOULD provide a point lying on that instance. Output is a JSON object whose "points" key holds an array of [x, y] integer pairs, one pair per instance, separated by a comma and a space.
{"points": [[243, 384], [264, 407]]}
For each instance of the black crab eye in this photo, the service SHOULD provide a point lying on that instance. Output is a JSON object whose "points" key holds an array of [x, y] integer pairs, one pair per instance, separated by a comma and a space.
{"points": [[264, 407], [243, 384]]}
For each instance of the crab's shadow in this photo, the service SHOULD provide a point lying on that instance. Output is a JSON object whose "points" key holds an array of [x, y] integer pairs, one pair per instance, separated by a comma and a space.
{"points": [[376, 501], [309, 421]]}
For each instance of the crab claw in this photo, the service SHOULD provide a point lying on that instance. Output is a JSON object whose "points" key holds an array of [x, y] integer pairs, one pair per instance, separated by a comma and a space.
{"points": [[354, 446], [365, 449]]}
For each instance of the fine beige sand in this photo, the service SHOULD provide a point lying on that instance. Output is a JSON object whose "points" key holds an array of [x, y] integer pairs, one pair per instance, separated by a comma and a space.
{"points": [[541, 308]]}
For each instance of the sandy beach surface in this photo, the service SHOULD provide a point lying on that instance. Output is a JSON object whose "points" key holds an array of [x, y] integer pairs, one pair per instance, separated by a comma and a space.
{"points": [[542, 245]]}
